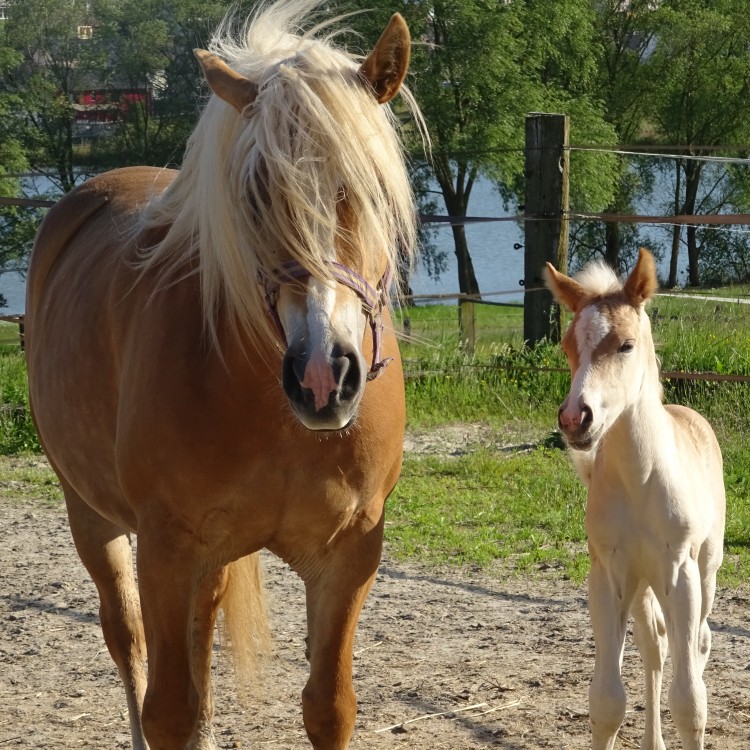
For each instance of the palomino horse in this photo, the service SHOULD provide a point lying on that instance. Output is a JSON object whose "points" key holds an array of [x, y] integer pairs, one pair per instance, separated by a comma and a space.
{"points": [[655, 511], [199, 349]]}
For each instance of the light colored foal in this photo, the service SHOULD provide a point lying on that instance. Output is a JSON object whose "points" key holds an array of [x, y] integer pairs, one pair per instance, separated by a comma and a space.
{"points": [[656, 504]]}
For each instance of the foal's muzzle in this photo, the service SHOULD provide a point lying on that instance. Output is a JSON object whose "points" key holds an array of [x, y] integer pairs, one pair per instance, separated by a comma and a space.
{"points": [[575, 424]]}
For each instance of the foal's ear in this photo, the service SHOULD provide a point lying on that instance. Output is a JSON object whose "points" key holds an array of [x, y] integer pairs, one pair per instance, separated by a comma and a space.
{"points": [[642, 283], [385, 67], [226, 83], [565, 290]]}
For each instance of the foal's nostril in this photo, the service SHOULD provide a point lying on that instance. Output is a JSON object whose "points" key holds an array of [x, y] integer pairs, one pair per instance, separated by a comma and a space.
{"points": [[587, 417]]}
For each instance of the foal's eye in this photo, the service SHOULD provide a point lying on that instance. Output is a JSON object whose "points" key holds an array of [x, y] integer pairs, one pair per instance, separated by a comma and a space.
{"points": [[626, 346]]}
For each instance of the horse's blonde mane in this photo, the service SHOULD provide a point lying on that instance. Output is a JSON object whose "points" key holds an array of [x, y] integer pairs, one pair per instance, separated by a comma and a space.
{"points": [[262, 186]]}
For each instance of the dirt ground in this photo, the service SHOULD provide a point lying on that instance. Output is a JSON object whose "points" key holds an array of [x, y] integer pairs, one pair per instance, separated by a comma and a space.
{"points": [[444, 659]]}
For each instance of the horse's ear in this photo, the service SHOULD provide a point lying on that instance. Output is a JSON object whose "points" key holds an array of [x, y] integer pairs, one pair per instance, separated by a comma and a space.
{"points": [[226, 83], [565, 290], [642, 283], [385, 67]]}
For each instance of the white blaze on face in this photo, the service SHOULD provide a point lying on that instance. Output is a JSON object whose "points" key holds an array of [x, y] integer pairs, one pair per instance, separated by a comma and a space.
{"points": [[329, 316], [591, 329], [321, 300]]}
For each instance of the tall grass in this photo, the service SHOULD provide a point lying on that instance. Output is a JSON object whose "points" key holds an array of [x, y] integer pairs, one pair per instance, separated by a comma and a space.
{"points": [[17, 432]]}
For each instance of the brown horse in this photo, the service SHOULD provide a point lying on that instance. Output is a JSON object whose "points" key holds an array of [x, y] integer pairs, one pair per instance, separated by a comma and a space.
{"points": [[207, 367]]}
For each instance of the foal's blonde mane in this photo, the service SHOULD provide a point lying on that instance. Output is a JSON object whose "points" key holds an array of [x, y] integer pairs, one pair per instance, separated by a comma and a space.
{"points": [[262, 186]]}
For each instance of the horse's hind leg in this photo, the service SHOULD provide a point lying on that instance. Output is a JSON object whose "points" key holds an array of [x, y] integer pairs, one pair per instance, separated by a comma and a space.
{"points": [[651, 638], [104, 549], [335, 596]]}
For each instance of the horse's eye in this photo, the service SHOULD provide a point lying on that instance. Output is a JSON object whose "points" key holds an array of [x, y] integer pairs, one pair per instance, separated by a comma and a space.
{"points": [[626, 346]]}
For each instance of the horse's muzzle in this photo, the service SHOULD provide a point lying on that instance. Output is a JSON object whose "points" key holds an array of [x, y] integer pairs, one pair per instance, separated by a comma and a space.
{"points": [[324, 392], [576, 424]]}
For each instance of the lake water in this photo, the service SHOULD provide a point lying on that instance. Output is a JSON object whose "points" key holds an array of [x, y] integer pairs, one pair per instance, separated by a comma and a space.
{"points": [[498, 266]]}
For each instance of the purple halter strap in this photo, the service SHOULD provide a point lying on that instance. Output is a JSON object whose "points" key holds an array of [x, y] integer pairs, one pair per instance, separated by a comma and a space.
{"points": [[372, 301]]}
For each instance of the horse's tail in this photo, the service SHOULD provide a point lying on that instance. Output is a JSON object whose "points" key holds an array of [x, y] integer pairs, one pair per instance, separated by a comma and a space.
{"points": [[245, 625]]}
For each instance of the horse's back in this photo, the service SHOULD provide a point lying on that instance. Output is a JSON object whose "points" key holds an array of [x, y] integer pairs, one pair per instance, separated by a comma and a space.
{"points": [[696, 438]]}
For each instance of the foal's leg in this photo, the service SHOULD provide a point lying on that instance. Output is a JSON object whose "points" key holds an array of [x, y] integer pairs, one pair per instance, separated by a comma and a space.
{"points": [[689, 642], [335, 595], [651, 638], [105, 551], [609, 603]]}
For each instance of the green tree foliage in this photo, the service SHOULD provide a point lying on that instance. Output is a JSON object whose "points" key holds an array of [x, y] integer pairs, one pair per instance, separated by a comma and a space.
{"points": [[17, 224], [149, 45], [478, 68], [54, 63], [700, 74]]}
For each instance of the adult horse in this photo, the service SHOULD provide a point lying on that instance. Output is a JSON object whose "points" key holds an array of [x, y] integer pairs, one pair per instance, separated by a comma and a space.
{"points": [[199, 348], [656, 505]]}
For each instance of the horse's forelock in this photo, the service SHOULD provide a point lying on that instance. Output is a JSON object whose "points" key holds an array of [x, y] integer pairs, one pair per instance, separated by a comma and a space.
{"points": [[598, 279], [268, 180]]}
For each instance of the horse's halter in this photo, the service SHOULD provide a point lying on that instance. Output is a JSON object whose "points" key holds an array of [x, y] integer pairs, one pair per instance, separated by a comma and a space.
{"points": [[372, 301]]}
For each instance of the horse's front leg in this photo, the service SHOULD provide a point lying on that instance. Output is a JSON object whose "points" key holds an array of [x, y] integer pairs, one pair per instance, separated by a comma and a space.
{"points": [[335, 596], [210, 593], [169, 581], [650, 635], [609, 604], [690, 643]]}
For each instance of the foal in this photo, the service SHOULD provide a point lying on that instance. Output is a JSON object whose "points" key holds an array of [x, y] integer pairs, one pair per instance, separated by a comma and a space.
{"points": [[656, 506]]}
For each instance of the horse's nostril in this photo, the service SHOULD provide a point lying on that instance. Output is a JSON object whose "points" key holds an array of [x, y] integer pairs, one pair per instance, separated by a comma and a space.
{"points": [[348, 373], [587, 417], [297, 365]]}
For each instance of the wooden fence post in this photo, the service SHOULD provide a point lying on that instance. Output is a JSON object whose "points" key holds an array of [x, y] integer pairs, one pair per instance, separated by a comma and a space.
{"points": [[546, 226], [467, 326]]}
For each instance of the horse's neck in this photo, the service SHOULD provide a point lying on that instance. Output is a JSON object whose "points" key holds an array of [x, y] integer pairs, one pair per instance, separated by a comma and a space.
{"points": [[640, 441]]}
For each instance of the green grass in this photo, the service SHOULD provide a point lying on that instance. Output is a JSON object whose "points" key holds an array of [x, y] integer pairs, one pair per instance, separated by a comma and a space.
{"points": [[8, 334], [17, 433], [524, 512], [28, 477]]}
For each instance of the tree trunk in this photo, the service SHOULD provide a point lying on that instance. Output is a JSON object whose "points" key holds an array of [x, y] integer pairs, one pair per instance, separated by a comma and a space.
{"points": [[467, 280], [693, 171], [612, 244], [676, 229], [456, 191]]}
